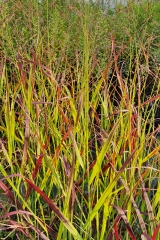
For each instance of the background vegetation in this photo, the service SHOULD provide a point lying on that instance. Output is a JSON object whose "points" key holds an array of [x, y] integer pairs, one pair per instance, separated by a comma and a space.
{"points": [[79, 122]]}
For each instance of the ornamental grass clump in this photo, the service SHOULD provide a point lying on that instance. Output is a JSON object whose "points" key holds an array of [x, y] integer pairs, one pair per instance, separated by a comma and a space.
{"points": [[79, 122]]}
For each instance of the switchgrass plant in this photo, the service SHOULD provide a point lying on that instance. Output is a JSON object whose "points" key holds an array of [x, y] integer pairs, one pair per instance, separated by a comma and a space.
{"points": [[79, 123]]}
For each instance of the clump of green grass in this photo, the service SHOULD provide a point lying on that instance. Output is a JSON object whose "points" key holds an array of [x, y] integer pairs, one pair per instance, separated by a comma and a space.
{"points": [[79, 121]]}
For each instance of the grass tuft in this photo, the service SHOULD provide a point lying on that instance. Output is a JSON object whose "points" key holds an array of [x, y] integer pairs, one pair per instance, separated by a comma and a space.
{"points": [[80, 120]]}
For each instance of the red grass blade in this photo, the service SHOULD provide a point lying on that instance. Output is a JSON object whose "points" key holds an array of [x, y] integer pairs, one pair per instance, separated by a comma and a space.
{"points": [[10, 195], [154, 237], [123, 216], [37, 167], [151, 100], [6, 215], [26, 138], [52, 206], [116, 222]]}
